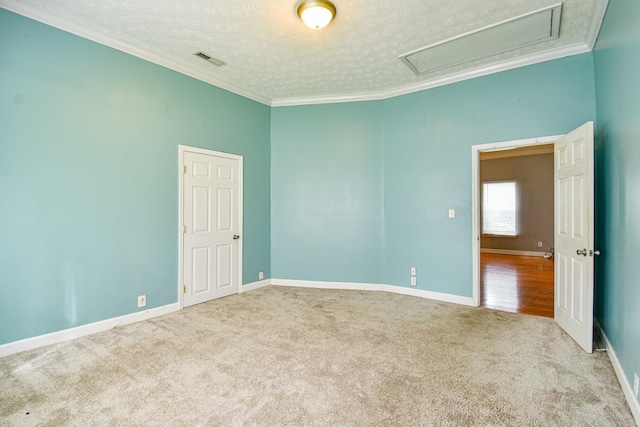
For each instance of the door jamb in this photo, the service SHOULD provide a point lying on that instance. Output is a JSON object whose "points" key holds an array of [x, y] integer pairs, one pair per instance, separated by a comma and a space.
{"points": [[475, 197], [181, 150]]}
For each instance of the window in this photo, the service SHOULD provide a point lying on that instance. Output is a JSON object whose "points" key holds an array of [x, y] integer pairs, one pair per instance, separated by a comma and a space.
{"points": [[499, 208]]}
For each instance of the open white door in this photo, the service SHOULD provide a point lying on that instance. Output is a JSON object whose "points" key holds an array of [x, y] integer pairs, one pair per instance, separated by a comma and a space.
{"points": [[574, 235]]}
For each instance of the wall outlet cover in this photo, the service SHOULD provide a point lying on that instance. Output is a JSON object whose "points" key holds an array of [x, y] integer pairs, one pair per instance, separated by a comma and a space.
{"points": [[142, 301], [539, 244], [414, 271], [261, 275], [414, 281]]}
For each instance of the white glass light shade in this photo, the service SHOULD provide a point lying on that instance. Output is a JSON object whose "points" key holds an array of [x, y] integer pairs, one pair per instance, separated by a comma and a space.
{"points": [[316, 14]]}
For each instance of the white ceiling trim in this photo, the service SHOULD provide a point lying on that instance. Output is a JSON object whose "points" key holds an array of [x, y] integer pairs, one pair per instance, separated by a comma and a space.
{"points": [[596, 22], [547, 55], [93, 35], [96, 36]]}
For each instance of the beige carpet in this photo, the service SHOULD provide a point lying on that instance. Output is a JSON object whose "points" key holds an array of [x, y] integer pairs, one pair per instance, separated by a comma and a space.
{"points": [[290, 356]]}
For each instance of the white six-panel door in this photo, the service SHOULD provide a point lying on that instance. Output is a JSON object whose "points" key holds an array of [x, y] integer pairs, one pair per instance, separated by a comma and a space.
{"points": [[574, 229], [210, 250]]}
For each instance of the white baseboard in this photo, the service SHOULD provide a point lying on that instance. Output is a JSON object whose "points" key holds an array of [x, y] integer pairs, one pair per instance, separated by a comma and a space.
{"points": [[437, 296], [622, 378], [103, 325], [511, 252], [255, 285], [328, 285], [81, 331]]}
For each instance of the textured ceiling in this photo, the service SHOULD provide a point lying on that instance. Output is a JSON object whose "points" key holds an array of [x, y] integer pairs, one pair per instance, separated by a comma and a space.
{"points": [[274, 58]]}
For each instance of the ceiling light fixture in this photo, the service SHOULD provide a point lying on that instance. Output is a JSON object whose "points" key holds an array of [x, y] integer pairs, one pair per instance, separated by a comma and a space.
{"points": [[316, 14]]}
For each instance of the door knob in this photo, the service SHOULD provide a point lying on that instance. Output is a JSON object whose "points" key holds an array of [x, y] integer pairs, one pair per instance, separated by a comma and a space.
{"points": [[594, 252], [236, 237], [582, 252]]}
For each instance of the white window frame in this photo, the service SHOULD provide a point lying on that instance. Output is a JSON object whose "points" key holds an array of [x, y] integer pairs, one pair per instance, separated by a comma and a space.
{"points": [[495, 233]]}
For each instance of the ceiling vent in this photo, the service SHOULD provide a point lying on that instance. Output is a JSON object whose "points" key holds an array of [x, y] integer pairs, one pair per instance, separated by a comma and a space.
{"points": [[214, 61], [524, 30]]}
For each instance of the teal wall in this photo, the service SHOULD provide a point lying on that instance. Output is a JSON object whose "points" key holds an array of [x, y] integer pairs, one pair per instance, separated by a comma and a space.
{"points": [[427, 159], [327, 206], [89, 170], [355, 182], [617, 77]]}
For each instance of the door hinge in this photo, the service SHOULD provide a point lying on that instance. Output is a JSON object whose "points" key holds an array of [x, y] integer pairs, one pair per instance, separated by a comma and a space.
{"points": [[184, 289], [184, 168], [184, 229]]}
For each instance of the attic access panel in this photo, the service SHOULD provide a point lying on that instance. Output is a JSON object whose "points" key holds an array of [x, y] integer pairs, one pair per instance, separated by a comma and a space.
{"points": [[524, 30]]}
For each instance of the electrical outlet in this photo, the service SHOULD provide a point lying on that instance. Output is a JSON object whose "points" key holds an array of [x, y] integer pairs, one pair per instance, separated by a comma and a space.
{"points": [[414, 272], [261, 275], [414, 281], [142, 300], [539, 244], [635, 384]]}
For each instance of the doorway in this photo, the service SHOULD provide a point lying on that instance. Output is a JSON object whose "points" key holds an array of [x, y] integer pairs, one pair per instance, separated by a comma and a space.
{"points": [[517, 224], [573, 228], [210, 215], [476, 151]]}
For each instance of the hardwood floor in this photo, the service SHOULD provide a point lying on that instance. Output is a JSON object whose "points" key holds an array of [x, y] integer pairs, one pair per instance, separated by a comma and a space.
{"points": [[518, 284]]}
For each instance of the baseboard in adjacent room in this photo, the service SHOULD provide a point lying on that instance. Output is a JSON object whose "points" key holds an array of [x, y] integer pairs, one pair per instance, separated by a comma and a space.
{"points": [[81, 331], [437, 296], [622, 378], [511, 252]]}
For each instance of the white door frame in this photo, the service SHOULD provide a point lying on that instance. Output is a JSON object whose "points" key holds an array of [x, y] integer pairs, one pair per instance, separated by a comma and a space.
{"points": [[475, 196], [181, 151]]}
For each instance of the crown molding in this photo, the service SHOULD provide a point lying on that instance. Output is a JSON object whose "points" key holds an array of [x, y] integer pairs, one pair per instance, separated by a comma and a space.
{"points": [[596, 23], [510, 64], [98, 37]]}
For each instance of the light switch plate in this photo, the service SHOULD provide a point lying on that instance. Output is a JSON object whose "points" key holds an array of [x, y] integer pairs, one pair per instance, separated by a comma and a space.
{"points": [[452, 213]]}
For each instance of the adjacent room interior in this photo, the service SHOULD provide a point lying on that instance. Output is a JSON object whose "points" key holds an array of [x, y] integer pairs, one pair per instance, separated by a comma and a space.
{"points": [[517, 230], [340, 169]]}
